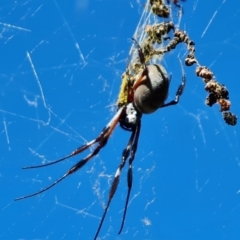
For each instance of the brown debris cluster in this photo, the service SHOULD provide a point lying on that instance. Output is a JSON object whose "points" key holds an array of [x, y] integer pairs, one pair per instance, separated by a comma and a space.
{"points": [[157, 33]]}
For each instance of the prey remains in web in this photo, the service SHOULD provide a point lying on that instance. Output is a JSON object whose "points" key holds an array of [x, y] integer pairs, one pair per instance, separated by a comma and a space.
{"points": [[144, 89]]}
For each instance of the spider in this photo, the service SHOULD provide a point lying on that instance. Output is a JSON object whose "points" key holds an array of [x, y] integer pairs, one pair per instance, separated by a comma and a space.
{"points": [[145, 95]]}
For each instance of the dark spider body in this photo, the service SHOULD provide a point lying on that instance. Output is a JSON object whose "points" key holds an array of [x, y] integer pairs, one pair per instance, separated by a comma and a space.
{"points": [[146, 95], [151, 94]]}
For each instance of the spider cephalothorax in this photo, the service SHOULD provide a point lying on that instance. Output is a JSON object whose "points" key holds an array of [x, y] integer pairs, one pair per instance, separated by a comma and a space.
{"points": [[130, 117]]}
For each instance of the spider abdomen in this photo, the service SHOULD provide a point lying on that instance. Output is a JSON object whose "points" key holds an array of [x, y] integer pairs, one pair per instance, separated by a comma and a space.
{"points": [[153, 91]]}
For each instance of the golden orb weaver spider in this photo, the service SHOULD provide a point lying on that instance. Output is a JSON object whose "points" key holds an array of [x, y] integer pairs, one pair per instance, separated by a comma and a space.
{"points": [[145, 95], [144, 89]]}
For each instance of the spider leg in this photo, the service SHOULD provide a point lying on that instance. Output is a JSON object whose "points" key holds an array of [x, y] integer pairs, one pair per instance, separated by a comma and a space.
{"points": [[80, 149], [102, 141], [130, 173], [142, 78], [178, 93], [178, 5], [75, 152], [140, 53], [144, 74], [131, 143], [53, 184]]}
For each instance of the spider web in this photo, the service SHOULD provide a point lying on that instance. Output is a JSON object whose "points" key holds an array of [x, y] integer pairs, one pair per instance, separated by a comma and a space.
{"points": [[60, 70]]}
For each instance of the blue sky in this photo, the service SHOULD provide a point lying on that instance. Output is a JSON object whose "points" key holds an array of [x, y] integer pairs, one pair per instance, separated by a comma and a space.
{"points": [[61, 65]]}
